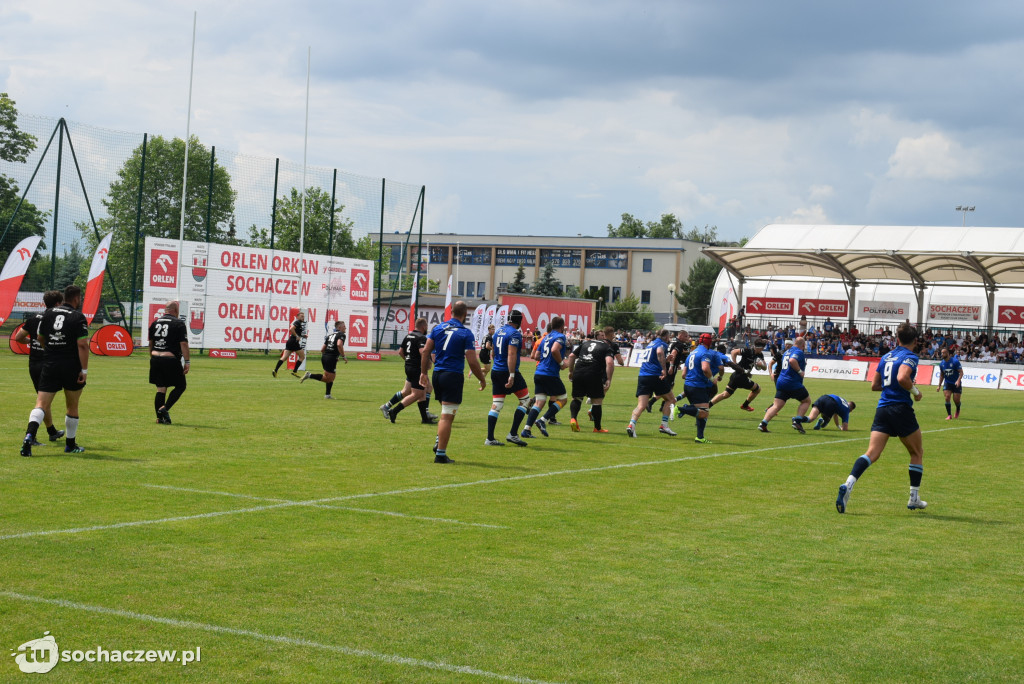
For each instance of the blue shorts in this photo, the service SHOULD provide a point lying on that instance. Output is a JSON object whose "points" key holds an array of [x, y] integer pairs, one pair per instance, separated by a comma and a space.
{"points": [[652, 386], [896, 420], [951, 387], [448, 386], [698, 395], [798, 393], [550, 385]]}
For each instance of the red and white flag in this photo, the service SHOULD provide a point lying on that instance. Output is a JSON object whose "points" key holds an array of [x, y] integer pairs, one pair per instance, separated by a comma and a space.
{"points": [[94, 286], [412, 303], [448, 300], [14, 272]]}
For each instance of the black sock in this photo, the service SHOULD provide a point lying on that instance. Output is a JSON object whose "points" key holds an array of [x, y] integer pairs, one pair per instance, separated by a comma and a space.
{"points": [[859, 466], [173, 397], [316, 376], [492, 422], [51, 429], [745, 404], [517, 420], [278, 366], [531, 418], [327, 390], [958, 407], [33, 428], [396, 409], [596, 412], [688, 410], [396, 398], [916, 472], [701, 423], [426, 399], [574, 408], [553, 408], [158, 400], [423, 410], [949, 409]]}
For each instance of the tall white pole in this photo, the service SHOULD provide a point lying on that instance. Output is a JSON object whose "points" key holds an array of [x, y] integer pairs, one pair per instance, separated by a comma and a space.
{"points": [[184, 180], [302, 209]]}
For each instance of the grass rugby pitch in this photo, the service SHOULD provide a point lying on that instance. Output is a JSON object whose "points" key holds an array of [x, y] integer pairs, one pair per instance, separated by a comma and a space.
{"points": [[297, 539]]}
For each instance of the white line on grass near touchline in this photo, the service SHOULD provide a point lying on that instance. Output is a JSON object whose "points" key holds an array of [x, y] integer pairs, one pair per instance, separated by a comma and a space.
{"points": [[290, 641], [456, 485]]}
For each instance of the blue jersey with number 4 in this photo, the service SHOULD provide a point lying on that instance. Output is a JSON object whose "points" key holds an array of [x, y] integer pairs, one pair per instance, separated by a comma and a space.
{"points": [[547, 364], [651, 365], [889, 369], [451, 340], [506, 338]]}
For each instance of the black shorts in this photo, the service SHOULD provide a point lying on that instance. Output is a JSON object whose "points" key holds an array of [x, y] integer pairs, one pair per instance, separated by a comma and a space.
{"points": [[550, 385], [485, 355], [498, 380], [799, 393], [698, 395], [951, 387], [652, 385], [896, 420], [740, 381], [329, 362], [60, 375], [292, 345], [412, 376], [589, 385], [35, 371], [166, 371], [448, 386]]}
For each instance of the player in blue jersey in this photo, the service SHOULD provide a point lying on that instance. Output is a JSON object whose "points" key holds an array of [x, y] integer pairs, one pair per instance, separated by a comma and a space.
{"points": [[894, 378], [507, 349], [554, 356], [790, 385], [653, 382], [952, 381], [452, 345], [703, 366], [831, 407]]}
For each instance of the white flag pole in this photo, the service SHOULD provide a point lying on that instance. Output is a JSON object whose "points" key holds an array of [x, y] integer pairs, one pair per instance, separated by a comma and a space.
{"points": [[184, 180], [302, 210]]}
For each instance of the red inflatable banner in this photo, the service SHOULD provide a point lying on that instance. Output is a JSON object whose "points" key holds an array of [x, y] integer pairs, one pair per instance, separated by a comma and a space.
{"points": [[111, 340], [18, 347]]}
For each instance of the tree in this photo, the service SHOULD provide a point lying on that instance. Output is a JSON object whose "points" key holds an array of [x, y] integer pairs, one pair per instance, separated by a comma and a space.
{"points": [[15, 146], [628, 314], [708, 234], [161, 204], [695, 292], [630, 227], [518, 284], [667, 227], [317, 238], [547, 284], [69, 269]]}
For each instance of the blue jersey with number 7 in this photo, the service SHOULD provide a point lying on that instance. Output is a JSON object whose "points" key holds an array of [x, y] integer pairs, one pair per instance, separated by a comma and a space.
{"points": [[451, 340], [889, 369]]}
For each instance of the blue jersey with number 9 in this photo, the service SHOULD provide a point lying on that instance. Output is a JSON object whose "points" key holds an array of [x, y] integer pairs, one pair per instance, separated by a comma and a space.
{"points": [[889, 369]]}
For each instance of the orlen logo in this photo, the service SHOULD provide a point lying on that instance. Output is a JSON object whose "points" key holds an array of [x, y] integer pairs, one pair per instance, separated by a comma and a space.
{"points": [[359, 287], [359, 331], [24, 253], [163, 268], [155, 311]]}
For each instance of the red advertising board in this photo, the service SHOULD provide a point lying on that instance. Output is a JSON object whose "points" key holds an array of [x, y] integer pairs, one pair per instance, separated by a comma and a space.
{"points": [[223, 354], [769, 306], [1011, 315], [823, 307], [538, 311], [367, 356], [163, 268], [111, 340]]}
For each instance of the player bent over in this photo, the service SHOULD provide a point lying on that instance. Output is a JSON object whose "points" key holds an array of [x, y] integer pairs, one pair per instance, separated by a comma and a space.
{"points": [[952, 381], [63, 333], [506, 379], [591, 365], [451, 344], [413, 391], [168, 345], [831, 407], [894, 378], [332, 350], [29, 334]]}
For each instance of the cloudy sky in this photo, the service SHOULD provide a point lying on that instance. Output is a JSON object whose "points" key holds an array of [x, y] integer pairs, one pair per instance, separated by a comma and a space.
{"points": [[556, 117]]}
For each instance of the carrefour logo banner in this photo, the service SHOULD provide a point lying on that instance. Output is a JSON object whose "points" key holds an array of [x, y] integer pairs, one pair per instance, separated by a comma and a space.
{"points": [[246, 298], [981, 377]]}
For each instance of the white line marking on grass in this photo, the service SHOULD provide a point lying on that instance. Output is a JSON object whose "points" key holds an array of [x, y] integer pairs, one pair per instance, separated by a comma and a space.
{"points": [[290, 641], [472, 483], [373, 511]]}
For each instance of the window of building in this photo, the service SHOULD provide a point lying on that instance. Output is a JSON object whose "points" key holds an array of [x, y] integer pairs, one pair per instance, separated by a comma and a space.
{"points": [[648, 265], [616, 294], [470, 289], [475, 256], [645, 296], [607, 258], [561, 258], [481, 291], [439, 255], [462, 289], [513, 256]]}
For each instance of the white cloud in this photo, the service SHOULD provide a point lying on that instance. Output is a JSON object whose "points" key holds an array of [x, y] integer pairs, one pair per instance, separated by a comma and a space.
{"points": [[932, 156]]}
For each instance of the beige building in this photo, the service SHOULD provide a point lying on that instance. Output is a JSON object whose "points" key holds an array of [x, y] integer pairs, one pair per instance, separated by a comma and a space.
{"points": [[485, 265]]}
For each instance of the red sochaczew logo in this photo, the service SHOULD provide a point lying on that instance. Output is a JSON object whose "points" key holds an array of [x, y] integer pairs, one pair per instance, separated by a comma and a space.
{"points": [[163, 268], [359, 286], [359, 331]]}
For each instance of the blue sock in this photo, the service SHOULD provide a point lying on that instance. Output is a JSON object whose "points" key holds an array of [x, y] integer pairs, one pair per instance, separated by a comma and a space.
{"points": [[949, 411], [701, 422], [517, 420], [532, 418], [664, 420], [492, 422], [859, 466], [688, 409]]}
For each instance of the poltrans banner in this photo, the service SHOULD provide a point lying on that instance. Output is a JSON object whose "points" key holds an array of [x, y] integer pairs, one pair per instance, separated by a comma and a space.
{"points": [[538, 311], [245, 297]]}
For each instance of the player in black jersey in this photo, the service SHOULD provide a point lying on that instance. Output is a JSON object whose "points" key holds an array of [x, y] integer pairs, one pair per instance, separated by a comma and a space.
{"points": [[412, 391], [64, 335], [591, 365], [332, 350], [169, 360], [297, 334], [747, 359], [775, 365], [678, 351], [486, 348], [29, 334]]}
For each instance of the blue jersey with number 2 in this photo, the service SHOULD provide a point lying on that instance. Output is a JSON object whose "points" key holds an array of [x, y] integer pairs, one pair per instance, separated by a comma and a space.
{"points": [[889, 369]]}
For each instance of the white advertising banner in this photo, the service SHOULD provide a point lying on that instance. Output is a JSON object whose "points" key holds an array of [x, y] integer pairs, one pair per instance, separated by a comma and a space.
{"points": [[246, 298], [981, 377], [833, 368], [1012, 380], [891, 311], [939, 311]]}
